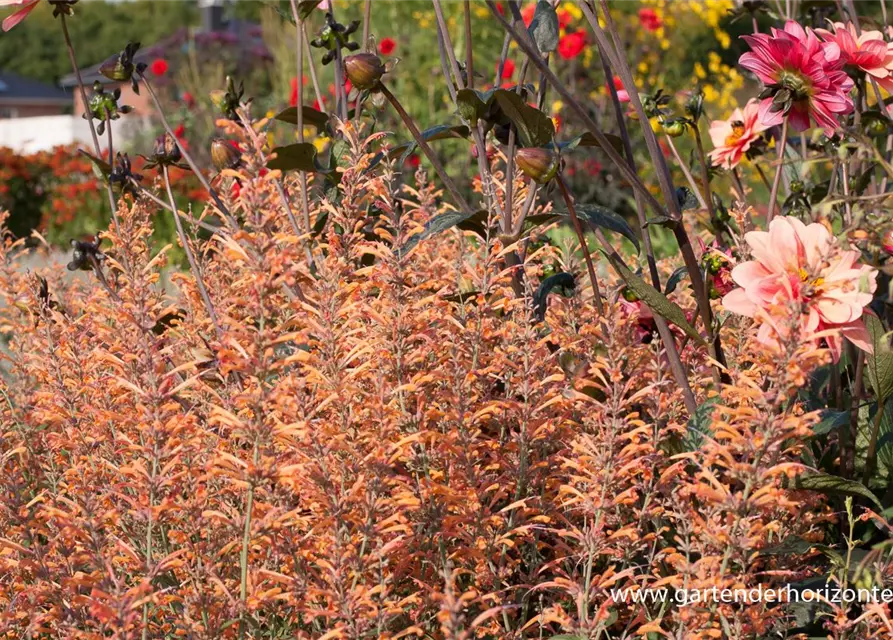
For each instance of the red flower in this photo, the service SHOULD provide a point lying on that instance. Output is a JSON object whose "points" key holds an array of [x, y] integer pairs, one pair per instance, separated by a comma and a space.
{"points": [[386, 46], [508, 70], [159, 66], [649, 19], [180, 131], [564, 18], [413, 161], [347, 86], [188, 99], [500, 8], [571, 45], [527, 14]]}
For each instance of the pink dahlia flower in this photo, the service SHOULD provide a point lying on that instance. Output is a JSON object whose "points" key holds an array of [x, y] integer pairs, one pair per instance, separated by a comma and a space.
{"points": [[801, 269], [733, 137], [868, 52], [804, 78], [26, 7]]}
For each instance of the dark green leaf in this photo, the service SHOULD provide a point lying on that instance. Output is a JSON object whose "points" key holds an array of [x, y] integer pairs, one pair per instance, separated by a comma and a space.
{"points": [[879, 365], [687, 199], [563, 282], [534, 127], [473, 104], [675, 279], [476, 223], [699, 424], [830, 421], [101, 168], [662, 221], [655, 300], [438, 132], [604, 218], [305, 8], [832, 485], [310, 115], [300, 156], [589, 140], [544, 27], [437, 224]]}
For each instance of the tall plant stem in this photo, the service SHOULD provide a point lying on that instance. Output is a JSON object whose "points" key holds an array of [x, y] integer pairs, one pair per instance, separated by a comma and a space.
{"points": [[299, 58], [613, 52], [469, 48], [773, 195], [367, 23], [417, 136], [314, 80], [677, 368], [246, 541], [584, 247], [705, 169], [196, 272], [686, 172], [83, 91], [198, 174]]}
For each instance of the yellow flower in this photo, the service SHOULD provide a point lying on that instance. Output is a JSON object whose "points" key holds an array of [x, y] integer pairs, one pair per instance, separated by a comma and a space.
{"points": [[557, 106], [572, 8], [321, 143]]}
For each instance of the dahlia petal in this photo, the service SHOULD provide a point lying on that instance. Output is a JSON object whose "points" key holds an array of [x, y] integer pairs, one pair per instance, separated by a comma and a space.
{"points": [[12, 20], [856, 333], [834, 311], [737, 301]]}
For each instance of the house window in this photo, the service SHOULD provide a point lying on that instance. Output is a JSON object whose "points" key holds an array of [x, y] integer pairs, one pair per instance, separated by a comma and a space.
{"points": [[9, 112]]}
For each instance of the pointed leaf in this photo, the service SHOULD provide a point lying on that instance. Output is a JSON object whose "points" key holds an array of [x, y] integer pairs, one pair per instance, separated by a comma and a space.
{"points": [[534, 127], [655, 300], [544, 27], [101, 168], [589, 140], [435, 225], [879, 365], [310, 116], [687, 199], [604, 218], [562, 281], [300, 156], [832, 485], [675, 279]]}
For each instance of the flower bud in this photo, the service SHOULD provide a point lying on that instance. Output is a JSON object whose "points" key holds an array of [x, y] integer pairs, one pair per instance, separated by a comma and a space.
{"points": [[887, 242], [537, 163], [224, 155], [674, 128], [166, 150], [629, 295], [875, 127], [364, 70]]}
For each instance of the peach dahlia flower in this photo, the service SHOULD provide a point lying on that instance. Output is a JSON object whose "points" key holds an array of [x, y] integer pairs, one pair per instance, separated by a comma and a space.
{"points": [[733, 137], [800, 269]]}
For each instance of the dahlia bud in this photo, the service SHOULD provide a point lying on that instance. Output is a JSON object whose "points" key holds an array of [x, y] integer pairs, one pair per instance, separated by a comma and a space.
{"points": [[887, 242], [674, 128], [166, 150], [538, 164], [629, 295], [224, 155], [364, 70]]}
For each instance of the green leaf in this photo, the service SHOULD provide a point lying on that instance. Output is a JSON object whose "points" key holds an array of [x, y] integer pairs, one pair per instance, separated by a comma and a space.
{"points": [[473, 104], [534, 127], [662, 221], [675, 279], [476, 223], [606, 219], [687, 199], [435, 225], [101, 168], [437, 132], [563, 282], [699, 424], [830, 421], [589, 140], [544, 27], [831, 485], [879, 365], [310, 116], [656, 301], [300, 156], [305, 8]]}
